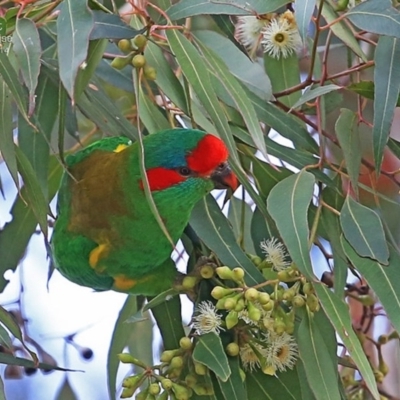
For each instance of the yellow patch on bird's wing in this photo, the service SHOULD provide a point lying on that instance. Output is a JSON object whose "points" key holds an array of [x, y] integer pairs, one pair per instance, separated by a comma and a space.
{"points": [[123, 283], [120, 147], [96, 254]]}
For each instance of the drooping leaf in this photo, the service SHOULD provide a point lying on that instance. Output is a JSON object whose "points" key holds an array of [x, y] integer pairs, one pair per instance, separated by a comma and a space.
{"points": [[119, 339], [74, 24], [376, 17], [9, 322], [195, 70], [338, 313], [342, 31], [234, 387], [288, 204], [382, 280], [111, 26], [28, 50], [304, 12], [34, 194], [363, 228], [210, 352], [6, 132], [284, 73], [285, 385], [346, 129], [213, 229], [387, 88], [249, 73], [313, 93], [242, 103], [10, 78], [189, 8], [94, 55], [318, 366], [168, 316]]}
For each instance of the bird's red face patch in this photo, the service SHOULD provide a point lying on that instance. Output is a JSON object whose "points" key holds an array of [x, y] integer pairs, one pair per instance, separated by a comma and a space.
{"points": [[208, 154], [162, 178]]}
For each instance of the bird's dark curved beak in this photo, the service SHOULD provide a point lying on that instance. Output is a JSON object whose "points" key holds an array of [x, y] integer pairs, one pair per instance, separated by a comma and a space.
{"points": [[224, 178]]}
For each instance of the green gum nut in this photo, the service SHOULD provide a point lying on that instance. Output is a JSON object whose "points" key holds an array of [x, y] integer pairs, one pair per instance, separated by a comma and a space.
{"points": [[189, 282], [120, 62], [251, 294], [166, 384], [190, 380], [139, 61], [224, 272], [238, 274], [312, 302], [140, 41], [298, 301], [206, 271], [167, 355], [176, 362], [154, 388], [125, 45], [127, 393], [180, 392], [232, 349], [200, 369], [185, 343], [253, 312], [219, 292], [240, 305], [142, 395], [231, 319]]}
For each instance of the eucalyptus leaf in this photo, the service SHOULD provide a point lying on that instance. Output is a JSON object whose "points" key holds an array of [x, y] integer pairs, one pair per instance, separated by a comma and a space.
{"points": [[288, 204], [363, 228]]}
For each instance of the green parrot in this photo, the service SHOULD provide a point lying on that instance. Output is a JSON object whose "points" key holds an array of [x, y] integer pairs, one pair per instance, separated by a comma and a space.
{"points": [[106, 236]]}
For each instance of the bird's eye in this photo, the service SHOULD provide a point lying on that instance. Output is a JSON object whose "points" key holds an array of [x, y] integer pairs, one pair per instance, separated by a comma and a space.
{"points": [[221, 166], [185, 171]]}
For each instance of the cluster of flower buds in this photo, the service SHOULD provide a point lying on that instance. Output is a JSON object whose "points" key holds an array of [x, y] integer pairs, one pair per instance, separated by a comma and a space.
{"points": [[178, 376], [134, 55]]}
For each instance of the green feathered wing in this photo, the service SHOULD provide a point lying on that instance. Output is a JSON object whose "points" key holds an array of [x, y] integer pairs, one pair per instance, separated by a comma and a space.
{"points": [[125, 264]]}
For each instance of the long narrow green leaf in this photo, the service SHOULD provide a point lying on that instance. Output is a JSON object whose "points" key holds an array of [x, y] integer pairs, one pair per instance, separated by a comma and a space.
{"points": [[376, 17], [94, 55], [318, 366], [387, 88], [383, 280], [363, 228], [9, 322], [74, 24], [10, 77], [210, 352], [235, 90], [346, 128], [213, 229], [288, 205], [150, 114], [6, 132], [342, 31], [195, 70], [338, 313], [119, 339], [169, 320], [189, 8], [304, 12], [23, 225], [28, 50], [233, 388], [34, 194]]}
